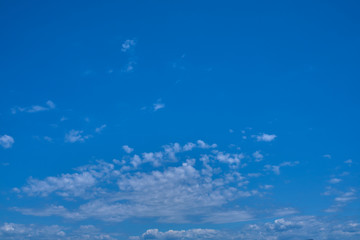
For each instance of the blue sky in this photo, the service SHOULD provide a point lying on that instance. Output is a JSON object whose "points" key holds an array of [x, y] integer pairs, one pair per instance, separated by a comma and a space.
{"points": [[179, 120]]}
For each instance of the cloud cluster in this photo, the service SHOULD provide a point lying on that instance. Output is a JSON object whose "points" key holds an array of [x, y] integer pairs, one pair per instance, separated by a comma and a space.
{"points": [[168, 185], [295, 228], [76, 136], [10, 231]]}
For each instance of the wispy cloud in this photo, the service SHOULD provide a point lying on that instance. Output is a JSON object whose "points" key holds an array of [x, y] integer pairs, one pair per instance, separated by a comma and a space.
{"points": [[35, 108], [158, 105], [101, 128]]}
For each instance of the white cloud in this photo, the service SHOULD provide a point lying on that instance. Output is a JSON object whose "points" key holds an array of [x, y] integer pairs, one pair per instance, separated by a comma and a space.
{"points": [[128, 45], [158, 105], [6, 141], [35, 108], [258, 156], [265, 137], [75, 136], [10, 231], [349, 162], [186, 189], [294, 228], [100, 129], [276, 168], [127, 149], [335, 180], [129, 67], [327, 156]]}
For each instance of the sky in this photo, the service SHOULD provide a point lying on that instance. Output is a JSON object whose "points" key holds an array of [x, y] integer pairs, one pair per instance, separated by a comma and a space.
{"points": [[133, 120]]}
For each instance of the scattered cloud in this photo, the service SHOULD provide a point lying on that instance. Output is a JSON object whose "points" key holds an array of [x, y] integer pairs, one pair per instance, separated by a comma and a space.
{"points": [[335, 180], [127, 45], [158, 105], [6, 141], [258, 156], [129, 67], [349, 162], [173, 188], [75, 136], [100, 129], [327, 156], [35, 108], [265, 137], [127, 149], [294, 228], [276, 168]]}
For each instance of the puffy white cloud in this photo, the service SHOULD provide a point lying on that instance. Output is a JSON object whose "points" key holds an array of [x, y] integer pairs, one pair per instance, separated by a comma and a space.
{"points": [[76, 136], [35, 108], [127, 149], [265, 137], [6, 141]]}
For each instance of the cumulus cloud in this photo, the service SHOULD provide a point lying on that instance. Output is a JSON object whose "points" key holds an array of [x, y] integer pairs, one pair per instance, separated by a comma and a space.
{"points": [[76, 136], [127, 149], [265, 137], [35, 108], [6, 141]]}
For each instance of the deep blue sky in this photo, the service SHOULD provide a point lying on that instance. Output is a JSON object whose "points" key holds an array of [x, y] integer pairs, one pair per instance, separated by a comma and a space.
{"points": [[273, 84]]}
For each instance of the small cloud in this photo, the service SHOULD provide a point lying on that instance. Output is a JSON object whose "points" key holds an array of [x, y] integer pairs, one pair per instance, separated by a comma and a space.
{"points": [[335, 180], [127, 149], [75, 136], [349, 161], [265, 137], [6, 141], [128, 45], [48, 139], [129, 67], [267, 187], [231, 130], [35, 108], [258, 156], [158, 105], [327, 156], [100, 129]]}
